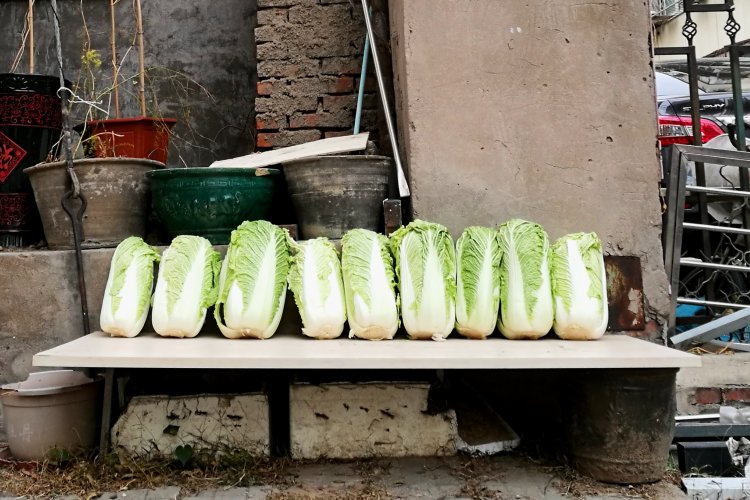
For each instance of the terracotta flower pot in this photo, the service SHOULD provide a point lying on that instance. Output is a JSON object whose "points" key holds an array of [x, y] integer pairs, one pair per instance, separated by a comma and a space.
{"points": [[140, 137]]}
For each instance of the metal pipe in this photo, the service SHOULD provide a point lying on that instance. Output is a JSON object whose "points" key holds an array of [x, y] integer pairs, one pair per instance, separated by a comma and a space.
{"points": [[710, 303], [695, 113], [403, 186], [724, 191], [716, 229], [712, 265], [739, 122], [362, 76]]}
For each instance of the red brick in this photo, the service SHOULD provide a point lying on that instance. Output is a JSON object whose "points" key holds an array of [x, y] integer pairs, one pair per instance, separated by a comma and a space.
{"points": [[269, 122], [339, 102], [707, 396], [304, 121], [340, 119], [343, 85], [371, 83], [264, 141], [264, 88], [286, 138], [737, 394], [341, 65]]}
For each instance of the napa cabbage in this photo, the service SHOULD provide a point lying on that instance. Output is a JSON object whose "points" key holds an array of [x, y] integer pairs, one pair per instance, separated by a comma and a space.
{"points": [[128, 290], [579, 287], [426, 270], [526, 310], [185, 287], [477, 282], [252, 281], [369, 285], [315, 281]]}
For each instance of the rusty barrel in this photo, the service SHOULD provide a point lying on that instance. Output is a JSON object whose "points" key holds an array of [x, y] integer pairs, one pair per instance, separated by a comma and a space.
{"points": [[620, 423]]}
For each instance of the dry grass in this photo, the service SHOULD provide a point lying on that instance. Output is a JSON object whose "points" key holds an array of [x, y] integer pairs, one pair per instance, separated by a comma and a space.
{"points": [[571, 483], [88, 478]]}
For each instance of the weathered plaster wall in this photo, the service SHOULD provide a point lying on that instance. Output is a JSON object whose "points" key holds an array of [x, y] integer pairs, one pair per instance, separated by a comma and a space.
{"points": [[200, 65], [540, 110]]}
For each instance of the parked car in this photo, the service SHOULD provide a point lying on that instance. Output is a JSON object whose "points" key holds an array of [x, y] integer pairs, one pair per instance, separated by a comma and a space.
{"points": [[675, 118]]}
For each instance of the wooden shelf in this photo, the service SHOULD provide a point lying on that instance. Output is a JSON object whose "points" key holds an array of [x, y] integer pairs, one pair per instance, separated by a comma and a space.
{"points": [[148, 350]]}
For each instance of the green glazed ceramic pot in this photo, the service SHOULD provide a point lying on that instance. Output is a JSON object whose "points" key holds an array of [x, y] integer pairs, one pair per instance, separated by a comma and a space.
{"points": [[211, 202]]}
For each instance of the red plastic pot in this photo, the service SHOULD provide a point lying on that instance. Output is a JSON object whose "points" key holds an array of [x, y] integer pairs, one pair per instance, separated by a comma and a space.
{"points": [[140, 137]]}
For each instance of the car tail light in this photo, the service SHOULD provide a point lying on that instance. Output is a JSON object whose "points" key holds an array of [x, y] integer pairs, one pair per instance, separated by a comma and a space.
{"points": [[679, 129]]}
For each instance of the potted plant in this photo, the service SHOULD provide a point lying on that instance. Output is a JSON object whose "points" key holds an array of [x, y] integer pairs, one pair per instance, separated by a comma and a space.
{"points": [[113, 182], [135, 137]]}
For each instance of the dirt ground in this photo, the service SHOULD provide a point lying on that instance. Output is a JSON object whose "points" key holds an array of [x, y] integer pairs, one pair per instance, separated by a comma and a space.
{"points": [[511, 476]]}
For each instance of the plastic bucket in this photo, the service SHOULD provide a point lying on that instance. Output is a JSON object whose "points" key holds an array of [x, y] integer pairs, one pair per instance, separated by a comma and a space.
{"points": [[332, 194], [620, 423], [53, 410], [30, 125]]}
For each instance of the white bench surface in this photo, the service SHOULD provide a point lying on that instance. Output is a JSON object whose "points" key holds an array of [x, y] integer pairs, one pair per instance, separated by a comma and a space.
{"points": [[207, 350]]}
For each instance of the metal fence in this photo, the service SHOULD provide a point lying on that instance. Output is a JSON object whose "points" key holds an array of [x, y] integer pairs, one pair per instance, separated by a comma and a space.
{"points": [[714, 279]]}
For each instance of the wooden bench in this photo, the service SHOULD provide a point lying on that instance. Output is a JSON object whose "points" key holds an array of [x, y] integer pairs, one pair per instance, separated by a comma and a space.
{"points": [[296, 352]]}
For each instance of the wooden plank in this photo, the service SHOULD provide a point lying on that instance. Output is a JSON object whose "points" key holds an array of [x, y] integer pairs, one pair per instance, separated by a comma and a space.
{"points": [[330, 146], [290, 351]]}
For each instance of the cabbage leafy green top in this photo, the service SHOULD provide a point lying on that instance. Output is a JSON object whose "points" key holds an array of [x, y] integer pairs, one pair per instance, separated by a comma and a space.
{"points": [[523, 248], [133, 251]]}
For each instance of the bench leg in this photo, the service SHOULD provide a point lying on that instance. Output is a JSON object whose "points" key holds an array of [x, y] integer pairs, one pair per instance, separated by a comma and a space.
{"points": [[109, 382]]}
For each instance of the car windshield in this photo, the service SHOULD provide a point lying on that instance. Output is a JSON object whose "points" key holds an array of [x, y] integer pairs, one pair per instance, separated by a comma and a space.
{"points": [[667, 85]]}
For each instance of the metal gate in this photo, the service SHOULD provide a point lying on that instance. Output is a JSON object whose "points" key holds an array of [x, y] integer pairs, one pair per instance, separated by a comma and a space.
{"points": [[717, 277]]}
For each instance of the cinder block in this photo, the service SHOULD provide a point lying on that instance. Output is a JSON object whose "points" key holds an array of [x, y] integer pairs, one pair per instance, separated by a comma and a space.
{"points": [[367, 420], [154, 426]]}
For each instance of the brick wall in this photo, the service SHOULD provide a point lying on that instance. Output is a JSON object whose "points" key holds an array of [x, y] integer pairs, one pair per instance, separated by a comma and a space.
{"points": [[723, 380], [309, 56]]}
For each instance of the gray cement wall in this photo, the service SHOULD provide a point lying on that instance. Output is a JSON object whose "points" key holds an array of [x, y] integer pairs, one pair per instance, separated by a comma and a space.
{"points": [[200, 65], [537, 110]]}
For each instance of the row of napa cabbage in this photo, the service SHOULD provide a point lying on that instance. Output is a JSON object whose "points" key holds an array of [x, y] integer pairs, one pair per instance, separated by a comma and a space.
{"points": [[508, 277]]}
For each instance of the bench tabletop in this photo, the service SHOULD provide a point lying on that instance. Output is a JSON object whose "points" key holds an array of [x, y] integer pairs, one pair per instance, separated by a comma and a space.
{"points": [[148, 350]]}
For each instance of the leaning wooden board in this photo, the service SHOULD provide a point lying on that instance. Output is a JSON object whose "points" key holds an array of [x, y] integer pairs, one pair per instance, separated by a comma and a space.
{"points": [[289, 351], [330, 146]]}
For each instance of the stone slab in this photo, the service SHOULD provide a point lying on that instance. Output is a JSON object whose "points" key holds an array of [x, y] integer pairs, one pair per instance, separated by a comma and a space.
{"points": [[154, 426]]}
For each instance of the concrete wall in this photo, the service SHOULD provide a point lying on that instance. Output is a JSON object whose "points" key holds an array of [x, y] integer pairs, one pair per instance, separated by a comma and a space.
{"points": [[537, 110], [200, 65]]}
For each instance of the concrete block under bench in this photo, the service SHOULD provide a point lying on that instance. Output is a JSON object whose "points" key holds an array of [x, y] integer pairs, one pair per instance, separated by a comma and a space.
{"points": [[154, 426], [367, 420]]}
